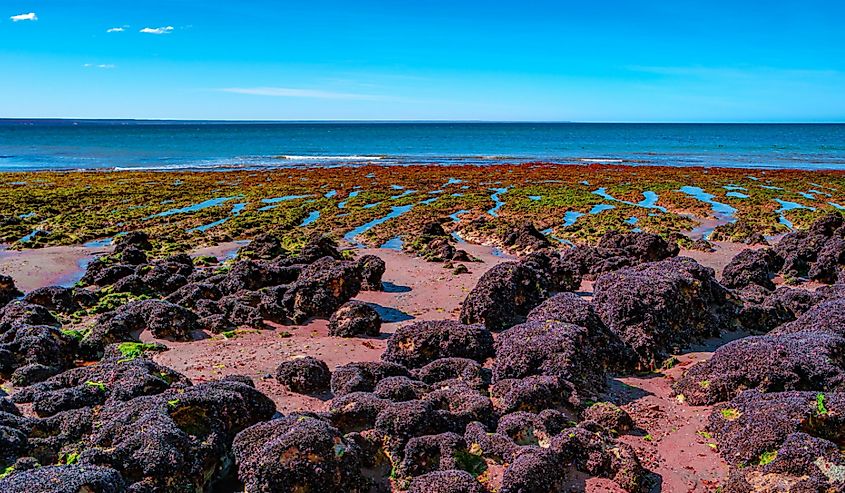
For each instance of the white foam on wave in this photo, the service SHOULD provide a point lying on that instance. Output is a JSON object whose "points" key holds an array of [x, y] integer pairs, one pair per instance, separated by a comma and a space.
{"points": [[332, 158], [600, 160]]}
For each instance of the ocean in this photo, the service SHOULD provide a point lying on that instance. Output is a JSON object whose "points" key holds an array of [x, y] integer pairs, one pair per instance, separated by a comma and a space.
{"points": [[27, 145]]}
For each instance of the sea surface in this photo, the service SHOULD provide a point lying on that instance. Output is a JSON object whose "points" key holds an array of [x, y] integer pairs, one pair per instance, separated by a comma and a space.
{"points": [[147, 145]]}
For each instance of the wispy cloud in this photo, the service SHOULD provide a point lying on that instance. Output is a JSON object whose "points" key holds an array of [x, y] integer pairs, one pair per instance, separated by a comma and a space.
{"points": [[157, 30], [289, 92], [736, 73], [116, 29], [100, 65], [24, 17]]}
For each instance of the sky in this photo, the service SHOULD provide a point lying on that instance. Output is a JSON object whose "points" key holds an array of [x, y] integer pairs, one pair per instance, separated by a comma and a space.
{"points": [[619, 61]]}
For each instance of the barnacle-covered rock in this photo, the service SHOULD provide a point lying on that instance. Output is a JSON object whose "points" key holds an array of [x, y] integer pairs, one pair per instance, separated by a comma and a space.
{"points": [[355, 318], [417, 344], [306, 375]]}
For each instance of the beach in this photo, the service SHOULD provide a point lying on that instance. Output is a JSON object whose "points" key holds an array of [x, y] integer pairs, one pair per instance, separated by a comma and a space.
{"points": [[440, 233]]}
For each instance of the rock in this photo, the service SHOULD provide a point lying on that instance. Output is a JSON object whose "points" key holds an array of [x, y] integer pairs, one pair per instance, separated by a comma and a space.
{"points": [[108, 382], [569, 308], [263, 246], [8, 290], [802, 463], [179, 440], [298, 453], [659, 307], [526, 428], [610, 417], [431, 453], [356, 411], [753, 425], [451, 370], [54, 298], [525, 239], [600, 456], [363, 376], [317, 247], [644, 247], [35, 352], [398, 389], [829, 261], [534, 394], [566, 351], [321, 289], [355, 318], [799, 361], [65, 479], [554, 272], [306, 375], [451, 481], [133, 239], [827, 317], [20, 313], [752, 267], [372, 270], [417, 344], [164, 321], [534, 470], [503, 296]]}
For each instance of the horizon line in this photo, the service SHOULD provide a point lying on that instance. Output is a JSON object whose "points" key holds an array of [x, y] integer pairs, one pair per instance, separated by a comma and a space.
{"points": [[318, 121]]}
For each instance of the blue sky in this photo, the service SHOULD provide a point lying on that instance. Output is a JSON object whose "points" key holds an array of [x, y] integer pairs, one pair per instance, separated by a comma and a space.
{"points": [[629, 60]]}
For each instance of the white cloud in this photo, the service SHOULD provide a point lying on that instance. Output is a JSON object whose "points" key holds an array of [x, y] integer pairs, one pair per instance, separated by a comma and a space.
{"points": [[24, 17], [100, 65], [287, 92], [116, 30], [157, 30]]}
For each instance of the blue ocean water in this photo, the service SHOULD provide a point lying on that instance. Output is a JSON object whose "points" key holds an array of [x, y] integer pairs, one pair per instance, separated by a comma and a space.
{"points": [[86, 144]]}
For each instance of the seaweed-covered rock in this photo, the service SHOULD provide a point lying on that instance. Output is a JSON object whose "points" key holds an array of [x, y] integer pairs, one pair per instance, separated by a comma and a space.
{"points": [[363, 376], [110, 382], [317, 247], [752, 267], [617, 250], [356, 411], [801, 463], [133, 239], [533, 394], [54, 298], [534, 470], [525, 239], [503, 296], [566, 351], [659, 307], [430, 453], [20, 313], [355, 318], [399, 389], [372, 270], [35, 352], [569, 308], [262, 246], [8, 290], [460, 405], [763, 310], [753, 425], [532, 429], [322, 288], [306, 375], [417, 344], [554, 272], [609, 416], [450, 481], [164, 320], [827, 317], [495, 447], [799, 361], [402, 421], [252, 275], [642, 246], [179, 440], [446, 371], [829, 261], [598, 455], [298, 453], [65, 479]]}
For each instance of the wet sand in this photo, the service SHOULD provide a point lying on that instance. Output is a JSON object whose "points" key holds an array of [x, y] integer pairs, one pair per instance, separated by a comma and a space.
{"points": [[49, 266]]}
